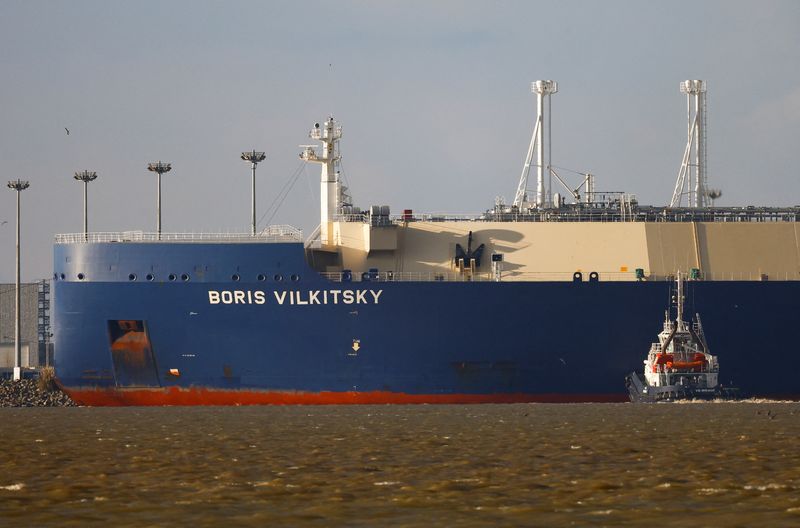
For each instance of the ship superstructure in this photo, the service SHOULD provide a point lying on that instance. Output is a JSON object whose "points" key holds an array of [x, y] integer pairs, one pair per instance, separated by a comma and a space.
{"points": [[547, 235], [540, 300]]}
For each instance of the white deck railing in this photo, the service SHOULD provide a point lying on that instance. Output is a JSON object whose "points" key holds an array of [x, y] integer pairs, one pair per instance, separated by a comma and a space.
{"points": [[600, 214], [535, 276], [277, 233], [435, 276]]}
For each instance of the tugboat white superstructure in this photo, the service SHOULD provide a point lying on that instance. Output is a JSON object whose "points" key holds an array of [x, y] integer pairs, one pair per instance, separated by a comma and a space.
{"points": [[679, 366]]}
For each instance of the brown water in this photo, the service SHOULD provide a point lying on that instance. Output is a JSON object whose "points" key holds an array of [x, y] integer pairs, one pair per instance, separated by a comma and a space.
{"points": [[724, 464]]}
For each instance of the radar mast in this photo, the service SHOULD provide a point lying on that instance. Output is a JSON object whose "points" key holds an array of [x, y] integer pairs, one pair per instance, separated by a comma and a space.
{"points": [[328, 134]]}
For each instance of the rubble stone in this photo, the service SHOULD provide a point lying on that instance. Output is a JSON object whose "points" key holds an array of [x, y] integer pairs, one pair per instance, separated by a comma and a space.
{"points": [[27, 393]]}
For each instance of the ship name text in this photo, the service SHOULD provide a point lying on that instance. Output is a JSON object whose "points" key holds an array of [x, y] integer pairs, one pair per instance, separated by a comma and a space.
{"points": [[295, 297]]}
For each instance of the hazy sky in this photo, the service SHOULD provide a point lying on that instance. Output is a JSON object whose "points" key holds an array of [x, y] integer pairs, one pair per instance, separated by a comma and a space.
{"points": [[434, 98]]}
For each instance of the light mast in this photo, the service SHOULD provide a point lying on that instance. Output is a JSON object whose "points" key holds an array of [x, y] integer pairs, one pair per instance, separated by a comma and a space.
{"points": [[254, 158], [85, 176], [159, 168], [18, 186]]}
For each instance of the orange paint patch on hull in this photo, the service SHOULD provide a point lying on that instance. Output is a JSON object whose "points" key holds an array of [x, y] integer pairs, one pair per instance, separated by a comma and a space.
{"points": [[205, 396]]}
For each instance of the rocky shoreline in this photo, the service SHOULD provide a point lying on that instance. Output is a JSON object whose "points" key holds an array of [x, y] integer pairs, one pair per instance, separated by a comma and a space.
{"points": [[33, 393]]}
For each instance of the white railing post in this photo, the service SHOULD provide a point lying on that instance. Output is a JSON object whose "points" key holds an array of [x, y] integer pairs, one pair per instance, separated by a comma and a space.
{"points": [[273, 234]]}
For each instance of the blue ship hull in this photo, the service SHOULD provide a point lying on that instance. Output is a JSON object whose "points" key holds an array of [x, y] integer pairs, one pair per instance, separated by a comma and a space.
{"points": [[123, 339]]}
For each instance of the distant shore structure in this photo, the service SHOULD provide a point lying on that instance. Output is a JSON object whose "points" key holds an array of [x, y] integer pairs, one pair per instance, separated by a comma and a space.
{"points": [[35, 340]]}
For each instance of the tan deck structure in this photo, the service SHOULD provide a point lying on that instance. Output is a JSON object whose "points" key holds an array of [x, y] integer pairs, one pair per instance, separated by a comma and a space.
{"points": [[768, 250]]}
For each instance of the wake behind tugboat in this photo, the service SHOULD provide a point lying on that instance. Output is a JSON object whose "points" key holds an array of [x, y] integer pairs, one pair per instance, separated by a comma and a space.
{"points": [[679, 366]]}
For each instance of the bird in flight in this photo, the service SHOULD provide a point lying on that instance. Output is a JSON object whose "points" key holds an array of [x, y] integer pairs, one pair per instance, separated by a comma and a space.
{"points": [[65, 128], [4, 222]]}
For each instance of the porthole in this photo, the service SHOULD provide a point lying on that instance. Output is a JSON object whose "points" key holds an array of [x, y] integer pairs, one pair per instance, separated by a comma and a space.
{"points": [[235, 277], [132, 277], [295, 278], [278, 277], [185, 277], [80, 276], [150, 277], [261, 277], [172, 277]]}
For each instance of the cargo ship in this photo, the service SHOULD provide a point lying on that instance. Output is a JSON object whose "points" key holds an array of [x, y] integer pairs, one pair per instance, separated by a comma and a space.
{"points": [[547, 299]]}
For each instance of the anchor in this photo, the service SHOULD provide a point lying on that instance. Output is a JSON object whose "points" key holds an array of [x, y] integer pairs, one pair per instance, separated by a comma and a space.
{"points": [[469, 255]]}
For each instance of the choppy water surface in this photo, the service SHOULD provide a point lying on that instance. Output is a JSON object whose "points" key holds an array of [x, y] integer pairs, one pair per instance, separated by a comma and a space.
{"points": [[725, 464]]}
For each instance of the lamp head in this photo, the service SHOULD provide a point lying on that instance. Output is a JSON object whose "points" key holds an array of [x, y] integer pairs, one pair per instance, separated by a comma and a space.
{"points": [[253, 156], [159, 167], [85, 176], [18, 185]]}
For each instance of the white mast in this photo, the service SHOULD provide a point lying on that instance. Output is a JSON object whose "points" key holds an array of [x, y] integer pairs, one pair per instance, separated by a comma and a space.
{"points": [[328, 134], [679, 302], [692, 176], [542, 89], [589, 193]]}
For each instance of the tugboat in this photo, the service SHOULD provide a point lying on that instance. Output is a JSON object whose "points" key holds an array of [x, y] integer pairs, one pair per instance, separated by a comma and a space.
{"points": [[679, 366]]}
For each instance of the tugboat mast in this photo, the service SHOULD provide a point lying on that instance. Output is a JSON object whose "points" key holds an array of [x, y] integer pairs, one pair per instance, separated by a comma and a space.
{"points": [[679, 303]]}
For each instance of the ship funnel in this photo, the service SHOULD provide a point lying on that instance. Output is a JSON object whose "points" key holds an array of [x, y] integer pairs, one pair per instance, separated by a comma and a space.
{"points": [[692, 176]]}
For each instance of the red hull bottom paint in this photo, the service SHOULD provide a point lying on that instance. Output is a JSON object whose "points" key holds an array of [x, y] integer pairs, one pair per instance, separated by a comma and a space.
{"points": [[202, 396]]}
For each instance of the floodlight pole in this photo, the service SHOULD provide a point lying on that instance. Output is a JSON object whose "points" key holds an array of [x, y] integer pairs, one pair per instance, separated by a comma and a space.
{"points": [[159, 168], [85, 176], [254, 158], [19, 186]]}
